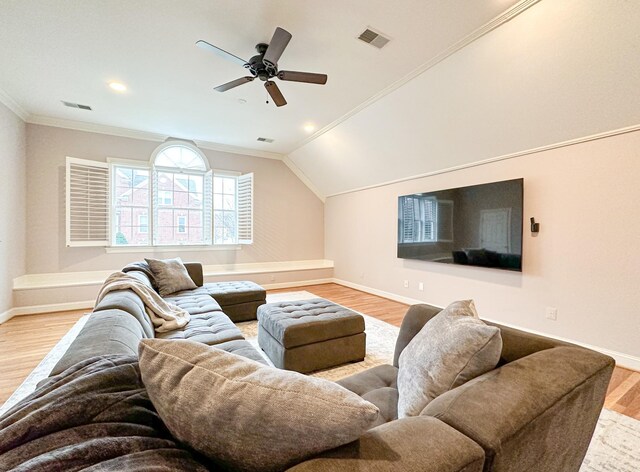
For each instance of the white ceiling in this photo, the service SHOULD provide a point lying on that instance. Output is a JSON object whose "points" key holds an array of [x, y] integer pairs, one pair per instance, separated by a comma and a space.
{"points": [[69, 50]]}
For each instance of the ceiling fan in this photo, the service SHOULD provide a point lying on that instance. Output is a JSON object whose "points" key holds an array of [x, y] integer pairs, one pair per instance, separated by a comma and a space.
{"points": [[264, 66]]}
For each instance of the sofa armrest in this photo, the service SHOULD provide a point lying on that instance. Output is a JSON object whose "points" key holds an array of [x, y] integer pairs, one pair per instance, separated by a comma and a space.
{"points": [[413, 321], [195, 272], [411, 444], [537, 413]]}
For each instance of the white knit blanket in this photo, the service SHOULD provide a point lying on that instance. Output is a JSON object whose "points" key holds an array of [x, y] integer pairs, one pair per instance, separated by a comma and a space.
{"points": [[165, 316]]}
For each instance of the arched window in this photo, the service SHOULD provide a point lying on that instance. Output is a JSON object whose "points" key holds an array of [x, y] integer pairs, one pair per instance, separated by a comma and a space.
{"points": [[181, 156], [180, 197], [176, 199]]}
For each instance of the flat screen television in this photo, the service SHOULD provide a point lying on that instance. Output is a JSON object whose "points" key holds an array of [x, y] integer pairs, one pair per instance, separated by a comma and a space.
{"points": [[480, 225]]}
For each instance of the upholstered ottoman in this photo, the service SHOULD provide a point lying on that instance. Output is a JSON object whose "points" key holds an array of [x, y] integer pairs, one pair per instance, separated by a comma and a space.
{"points": [[310, 335], [239, 300]]}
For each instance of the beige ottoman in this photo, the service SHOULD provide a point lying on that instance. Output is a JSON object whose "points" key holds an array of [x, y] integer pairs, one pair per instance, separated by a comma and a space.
{"points": [[310, 335]]}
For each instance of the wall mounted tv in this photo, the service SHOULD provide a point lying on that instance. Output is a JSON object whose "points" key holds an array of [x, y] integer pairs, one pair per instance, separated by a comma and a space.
{"points": [[480, 225]]}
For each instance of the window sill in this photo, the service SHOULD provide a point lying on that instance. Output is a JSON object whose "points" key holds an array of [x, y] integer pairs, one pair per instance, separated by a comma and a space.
{"points": [[185, 248]]}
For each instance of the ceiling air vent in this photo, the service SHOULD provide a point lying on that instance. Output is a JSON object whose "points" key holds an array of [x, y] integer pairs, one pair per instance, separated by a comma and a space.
{"points": [[374, 38], [265, 140], [76, 105]]}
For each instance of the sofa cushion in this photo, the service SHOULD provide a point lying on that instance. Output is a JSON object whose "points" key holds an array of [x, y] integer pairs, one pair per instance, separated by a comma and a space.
{"points": [[129, 302], [142, 272], [94, 416], [195, 302], [305, 322], [377, 385], [208, 328], [534, 414], [244, 415], [231, 293], [106, 332], [453, 347], [170, 275], [242, 348]]}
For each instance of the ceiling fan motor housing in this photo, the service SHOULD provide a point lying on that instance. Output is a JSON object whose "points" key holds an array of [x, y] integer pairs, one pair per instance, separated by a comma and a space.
{"points": [[258, 67]]}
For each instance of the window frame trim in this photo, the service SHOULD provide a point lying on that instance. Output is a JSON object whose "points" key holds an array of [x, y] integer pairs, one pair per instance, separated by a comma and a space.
{"points": [[113, 162], [178, 142]]}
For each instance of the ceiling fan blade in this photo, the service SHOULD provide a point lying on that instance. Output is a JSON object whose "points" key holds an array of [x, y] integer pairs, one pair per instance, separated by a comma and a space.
{"points": [[233, 83], [276, 47], [220, 52], [307, 77], [275, 93]]}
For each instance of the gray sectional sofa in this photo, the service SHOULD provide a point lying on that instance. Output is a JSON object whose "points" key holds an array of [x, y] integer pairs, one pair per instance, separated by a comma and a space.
{"points": [[119, 321], [535, 412]]}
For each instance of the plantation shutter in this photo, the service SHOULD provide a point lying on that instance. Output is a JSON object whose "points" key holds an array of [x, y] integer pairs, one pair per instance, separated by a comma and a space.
{"points": [[408, 220], [245, 209], [87, 202], [428, 219]]}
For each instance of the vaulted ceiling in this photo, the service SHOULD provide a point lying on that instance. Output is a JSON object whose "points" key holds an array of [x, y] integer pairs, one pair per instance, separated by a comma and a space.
{"points": [[69, 50], [461, 81]]}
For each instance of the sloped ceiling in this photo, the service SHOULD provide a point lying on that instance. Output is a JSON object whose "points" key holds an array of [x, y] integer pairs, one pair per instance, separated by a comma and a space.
{"points": [[69, 50], [558, 71]]}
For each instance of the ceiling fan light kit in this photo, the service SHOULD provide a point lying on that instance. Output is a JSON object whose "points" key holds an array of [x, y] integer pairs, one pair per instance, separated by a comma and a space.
{"points": [[264, 66]]}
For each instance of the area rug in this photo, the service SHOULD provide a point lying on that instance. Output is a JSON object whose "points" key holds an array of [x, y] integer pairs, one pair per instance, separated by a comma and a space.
{"points": [[615, 446]]}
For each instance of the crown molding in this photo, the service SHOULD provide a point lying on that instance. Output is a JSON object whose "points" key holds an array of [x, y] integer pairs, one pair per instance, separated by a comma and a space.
{"points": [[145, 135], [303, 177], [12, 105], [501, 19], [548, 147]]}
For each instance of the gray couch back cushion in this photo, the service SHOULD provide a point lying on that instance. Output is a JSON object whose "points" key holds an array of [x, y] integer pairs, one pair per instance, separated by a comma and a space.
{"points": [[129, 302], [106, 332]]}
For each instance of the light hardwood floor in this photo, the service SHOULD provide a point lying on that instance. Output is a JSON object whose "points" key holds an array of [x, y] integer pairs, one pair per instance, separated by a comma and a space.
{"points": [[25, 340]]}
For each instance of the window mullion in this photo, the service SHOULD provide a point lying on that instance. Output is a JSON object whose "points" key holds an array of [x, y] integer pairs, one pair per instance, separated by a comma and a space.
{"points": [[154, 208]]}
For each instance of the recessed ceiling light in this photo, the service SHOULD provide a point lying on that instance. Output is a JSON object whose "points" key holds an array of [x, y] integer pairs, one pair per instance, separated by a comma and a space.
{"points": [[118, 86], [309, 127]]}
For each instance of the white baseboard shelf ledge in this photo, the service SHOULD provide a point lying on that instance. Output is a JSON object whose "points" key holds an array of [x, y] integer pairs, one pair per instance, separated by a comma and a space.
{"points": [[81, 279]]}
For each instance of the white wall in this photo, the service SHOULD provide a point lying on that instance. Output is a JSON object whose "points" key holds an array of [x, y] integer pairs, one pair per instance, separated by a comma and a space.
{"points": [[288, 223], [12, 203], [585, 260], [561, 70]]}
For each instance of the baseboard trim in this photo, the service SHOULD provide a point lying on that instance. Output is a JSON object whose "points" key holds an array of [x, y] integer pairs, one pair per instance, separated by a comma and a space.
{"points": [[622, 360], [381, 293], [49, 308], [6, 315]]}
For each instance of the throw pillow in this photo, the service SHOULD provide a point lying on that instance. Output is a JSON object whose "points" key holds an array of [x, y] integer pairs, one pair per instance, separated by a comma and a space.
{"points": [[453, 347], [244, 415], [170, 275]]}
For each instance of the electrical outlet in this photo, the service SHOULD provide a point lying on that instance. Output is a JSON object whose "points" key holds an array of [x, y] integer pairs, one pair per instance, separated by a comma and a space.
{"points": [[551, 313], [272, 278], [406, 284], [421, 286]]}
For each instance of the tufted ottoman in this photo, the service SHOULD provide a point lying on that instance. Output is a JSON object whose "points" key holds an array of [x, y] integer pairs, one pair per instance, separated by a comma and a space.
{"points": [[310, 335], [239, 300]]}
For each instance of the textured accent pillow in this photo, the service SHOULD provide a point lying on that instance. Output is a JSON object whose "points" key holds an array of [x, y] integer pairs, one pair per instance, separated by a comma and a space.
{"points": [[452, 348], [170, 275], [244, 415]]}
